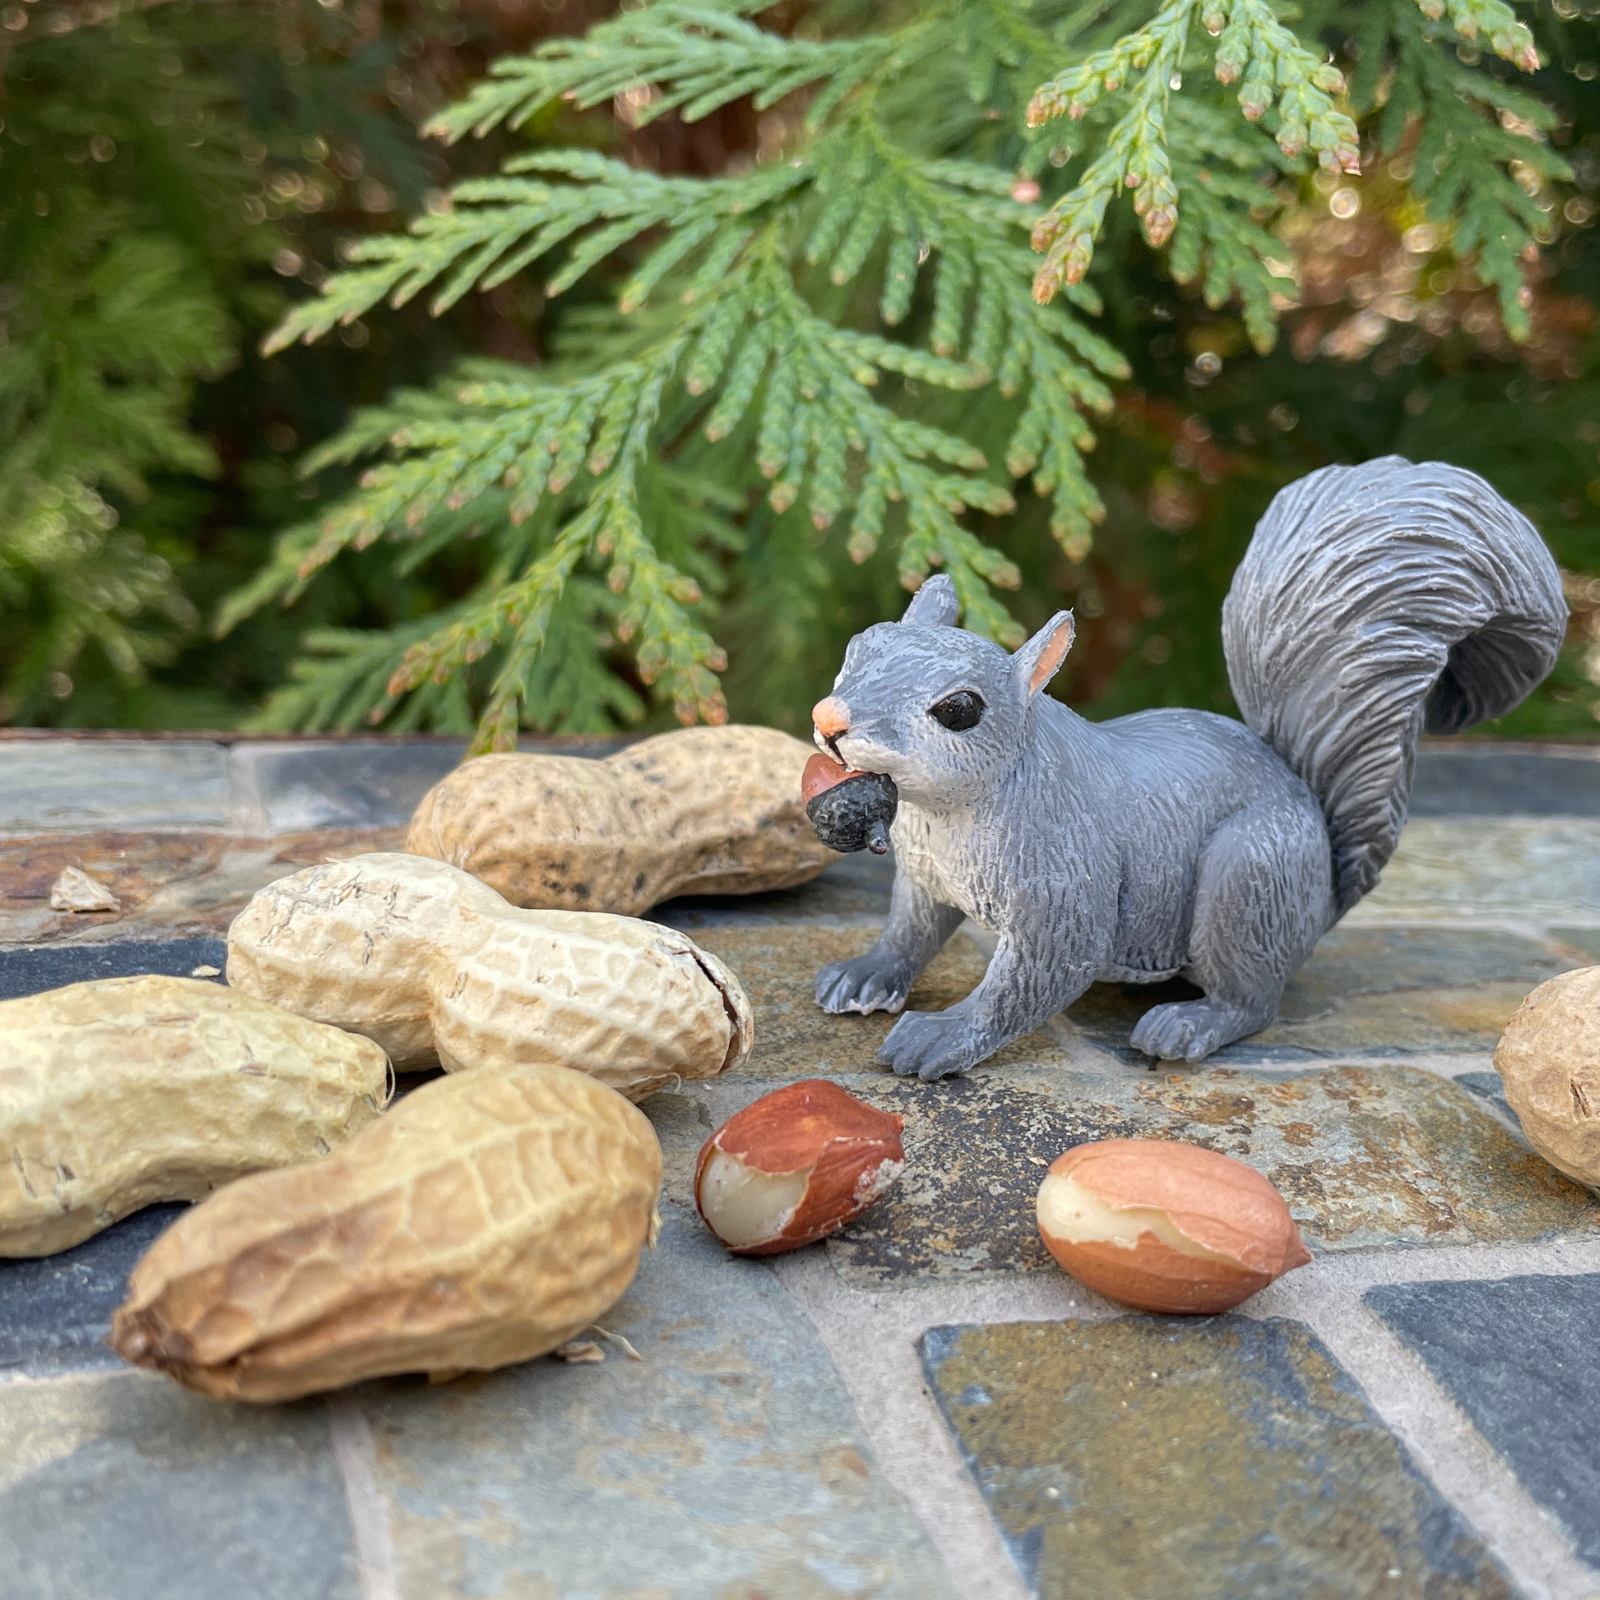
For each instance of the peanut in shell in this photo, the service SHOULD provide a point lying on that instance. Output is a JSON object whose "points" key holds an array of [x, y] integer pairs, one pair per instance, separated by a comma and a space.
{"points": [[436, 967], [697, 811], [1549, 1060], [122, 1092], [488, 1218]]}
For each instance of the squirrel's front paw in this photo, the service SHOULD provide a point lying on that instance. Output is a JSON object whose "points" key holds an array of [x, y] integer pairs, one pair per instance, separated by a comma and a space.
{"points": [[869, 983], [931, 1044]]}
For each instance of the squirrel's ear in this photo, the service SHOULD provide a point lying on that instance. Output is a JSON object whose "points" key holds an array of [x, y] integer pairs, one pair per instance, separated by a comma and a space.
{"points": [[934, 605], [1035, 664]]}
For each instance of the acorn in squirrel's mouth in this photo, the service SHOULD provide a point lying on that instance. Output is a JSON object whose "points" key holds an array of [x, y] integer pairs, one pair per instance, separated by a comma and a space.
{"points": [[849, 810]]}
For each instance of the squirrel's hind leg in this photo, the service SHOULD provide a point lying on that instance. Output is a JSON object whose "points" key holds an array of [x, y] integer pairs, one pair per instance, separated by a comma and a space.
{"points": [[1263, 896]]}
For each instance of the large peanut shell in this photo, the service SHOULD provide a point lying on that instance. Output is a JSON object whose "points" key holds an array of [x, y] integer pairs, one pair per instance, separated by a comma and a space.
{"points": [[435, 966], [1549, 1057], [486, 1219], [699, 811], [123, 1092]]}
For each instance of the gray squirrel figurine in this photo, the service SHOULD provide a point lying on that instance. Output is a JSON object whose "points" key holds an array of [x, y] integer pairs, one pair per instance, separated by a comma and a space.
{"points": [[1374, 602]]}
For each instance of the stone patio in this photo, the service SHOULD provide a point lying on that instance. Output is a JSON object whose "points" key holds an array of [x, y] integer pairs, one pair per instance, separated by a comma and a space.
{"points": [[924, 1405]]}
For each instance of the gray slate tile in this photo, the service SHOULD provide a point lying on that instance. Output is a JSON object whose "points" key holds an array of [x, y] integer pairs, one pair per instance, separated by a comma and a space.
{"points": [[1518, 1356], [55, 1311], [122, 1486], [727, 1463], [32, 970], [1488, 782], [294, 788], [853, 888], [1151, 1458], [75, 784], [1491, 1087]]}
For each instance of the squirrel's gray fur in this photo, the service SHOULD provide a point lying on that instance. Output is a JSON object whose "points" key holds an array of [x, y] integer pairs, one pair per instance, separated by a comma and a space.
{"points": [[1374, 602]]}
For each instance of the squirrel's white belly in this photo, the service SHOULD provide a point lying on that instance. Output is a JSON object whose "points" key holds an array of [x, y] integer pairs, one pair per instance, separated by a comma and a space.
{"points": [[926, 847]]}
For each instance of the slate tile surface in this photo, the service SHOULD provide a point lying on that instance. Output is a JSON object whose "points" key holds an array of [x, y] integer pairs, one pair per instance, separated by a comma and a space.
{"points": [[726, 1463], [113, 783], [795, 1039], [293, 788], [55, 1311], [1491, 1087], [1491, 781], [1518, 1356], [122, 1486], [854, 888], [169, 884], [1366, 1157], [1521, 869], [1585, 940], [31, 971], [1220, 1459], [1365, 991]]}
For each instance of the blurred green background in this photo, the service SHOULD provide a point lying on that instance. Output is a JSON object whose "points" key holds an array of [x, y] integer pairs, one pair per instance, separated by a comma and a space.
{"points": [[173, 176]]}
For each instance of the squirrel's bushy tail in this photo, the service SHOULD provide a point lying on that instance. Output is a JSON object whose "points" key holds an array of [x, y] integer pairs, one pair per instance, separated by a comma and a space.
{"points": [[1376, 602]]}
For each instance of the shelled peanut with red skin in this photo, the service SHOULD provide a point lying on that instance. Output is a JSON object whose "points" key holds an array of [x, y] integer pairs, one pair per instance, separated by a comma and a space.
{"points": [[795, 1166], [1165, 1226]]}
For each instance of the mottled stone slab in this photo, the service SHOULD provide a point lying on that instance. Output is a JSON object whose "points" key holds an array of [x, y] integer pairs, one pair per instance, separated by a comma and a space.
{"points": [[1366, 1158], [1223, 1459], [1520, 869], [71, 784], [55, 1311], [122, 1486], [1365, 991], [726, 1463], [1518, 1356], [854, 888], [170, 885], [1487, 781], [976, 1152], [795, 1038], [1490, 1087], [294, 788], [1584, 940]]}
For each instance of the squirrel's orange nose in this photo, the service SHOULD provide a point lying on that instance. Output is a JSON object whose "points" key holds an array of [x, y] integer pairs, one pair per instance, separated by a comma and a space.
{"points": [[831, 717]]}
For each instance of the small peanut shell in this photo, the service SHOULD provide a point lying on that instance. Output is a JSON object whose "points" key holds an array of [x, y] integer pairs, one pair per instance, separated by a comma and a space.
{"points": [[1165, 1226], [122, 1092], [698, 811], [1549, 1058], [436, 967], [795, 1166], [488, 1218]]}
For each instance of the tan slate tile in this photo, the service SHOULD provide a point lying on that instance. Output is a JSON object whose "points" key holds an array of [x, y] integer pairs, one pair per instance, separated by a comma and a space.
{"points": [[795, 1038], [1366, 991], [1524, 869], [1217, 1459], [1367, 1157]]}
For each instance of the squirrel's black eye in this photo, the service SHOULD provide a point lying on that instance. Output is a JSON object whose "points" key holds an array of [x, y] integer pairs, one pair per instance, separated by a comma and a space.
{"points": [[958, 711]]}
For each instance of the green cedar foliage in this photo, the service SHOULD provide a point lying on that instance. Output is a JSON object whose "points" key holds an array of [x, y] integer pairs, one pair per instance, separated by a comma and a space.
{"points": [[164, 170], [855, 324], [109, 317]]}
